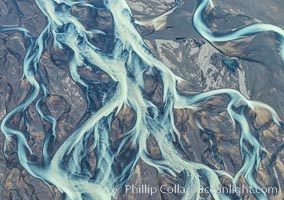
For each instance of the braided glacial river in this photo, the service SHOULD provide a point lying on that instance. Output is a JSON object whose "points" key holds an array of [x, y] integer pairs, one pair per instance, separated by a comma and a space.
{"points": [[87, 163]]}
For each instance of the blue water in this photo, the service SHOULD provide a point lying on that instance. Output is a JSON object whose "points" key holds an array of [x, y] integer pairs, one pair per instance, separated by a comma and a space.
{"points": [[125, 64]]}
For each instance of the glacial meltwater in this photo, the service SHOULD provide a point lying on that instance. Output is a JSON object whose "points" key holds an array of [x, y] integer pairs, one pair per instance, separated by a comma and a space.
{"points": [[161, 100]]}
